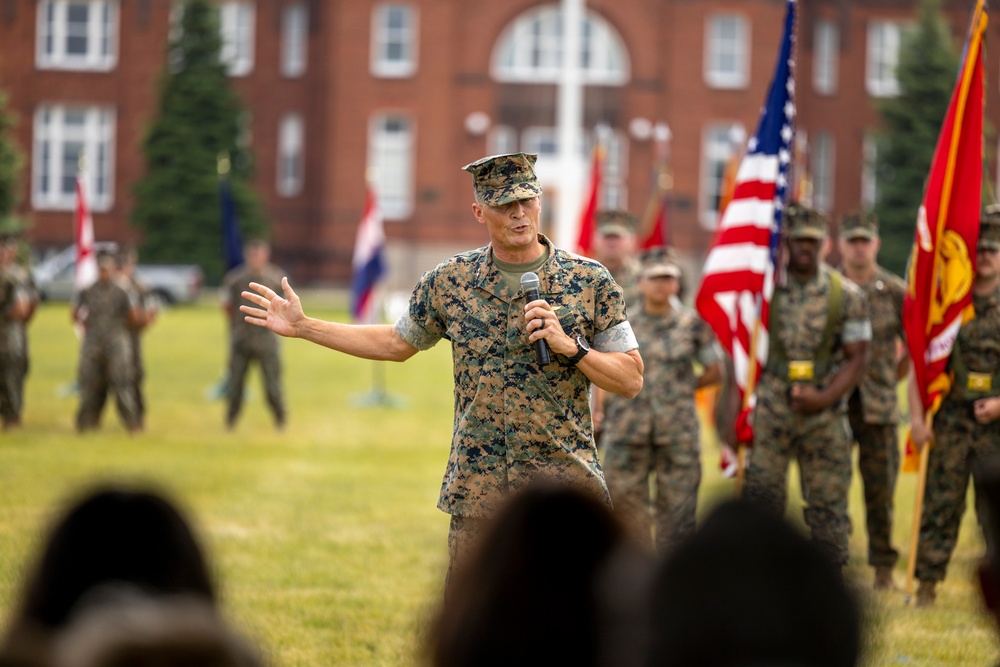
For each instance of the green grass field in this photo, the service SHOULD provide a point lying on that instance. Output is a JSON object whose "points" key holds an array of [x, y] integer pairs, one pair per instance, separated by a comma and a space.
{"points": [[325, 537]]}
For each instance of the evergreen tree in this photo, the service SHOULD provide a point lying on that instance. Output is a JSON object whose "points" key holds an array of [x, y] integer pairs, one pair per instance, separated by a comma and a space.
{"points": [[926, 73], [199, 118], [11, 162]]}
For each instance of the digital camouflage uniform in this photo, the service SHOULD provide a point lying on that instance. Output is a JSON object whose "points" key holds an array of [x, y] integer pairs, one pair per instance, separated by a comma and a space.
{"points": [[249, 343], [657, 431], [622, 223], [959, 439], [514, 421], [10, 358], [106, 354], [820, 442], [873, 413], [144, 300], [28, 291]]}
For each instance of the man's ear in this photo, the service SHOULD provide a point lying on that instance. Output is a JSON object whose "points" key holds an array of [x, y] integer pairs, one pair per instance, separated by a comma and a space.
{"points": [[477, 211], [988, 586]]}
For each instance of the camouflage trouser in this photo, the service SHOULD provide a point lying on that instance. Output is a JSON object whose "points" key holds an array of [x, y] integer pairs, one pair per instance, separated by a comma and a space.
{"points": [[269, 359], [958, 440], [676, 471], [101, 369], [463, 533], [822, 446], [138, 375], [11, 384], [878, 460]]}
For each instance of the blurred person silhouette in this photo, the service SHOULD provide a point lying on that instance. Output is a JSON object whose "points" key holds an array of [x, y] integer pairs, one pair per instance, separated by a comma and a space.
{"points": [[748, 589], [986, 474], [553, 580], [145, 631], [110, 538]]}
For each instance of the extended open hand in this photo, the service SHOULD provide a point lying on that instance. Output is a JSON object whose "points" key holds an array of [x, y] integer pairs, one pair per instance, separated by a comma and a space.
{"points": [[280, 315]]}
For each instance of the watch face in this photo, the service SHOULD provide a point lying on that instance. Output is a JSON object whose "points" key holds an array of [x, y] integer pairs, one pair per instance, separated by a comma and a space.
{"points": [[582, 342]]}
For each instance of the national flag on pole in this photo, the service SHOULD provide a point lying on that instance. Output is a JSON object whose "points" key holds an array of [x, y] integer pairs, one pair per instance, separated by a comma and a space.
{"points": [[738, 279], [367, 266], [588, 223], [943, 261], [232, 238], [85, 271], [654, 224]]}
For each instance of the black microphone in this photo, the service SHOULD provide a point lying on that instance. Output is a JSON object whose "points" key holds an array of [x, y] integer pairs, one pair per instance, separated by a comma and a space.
{"points": [[529, 285]]}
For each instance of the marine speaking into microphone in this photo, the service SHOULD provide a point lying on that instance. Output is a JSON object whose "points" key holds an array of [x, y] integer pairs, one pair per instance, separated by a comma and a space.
{"points": [[529, 285]]}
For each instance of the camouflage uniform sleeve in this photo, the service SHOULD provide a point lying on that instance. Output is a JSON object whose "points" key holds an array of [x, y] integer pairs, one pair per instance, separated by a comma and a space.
{"points": [[614, 333], [422, 326], [857, 324]]}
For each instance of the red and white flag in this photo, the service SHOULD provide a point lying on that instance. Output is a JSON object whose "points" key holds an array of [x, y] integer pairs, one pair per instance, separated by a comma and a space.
{"points": [[588, 222], [738, 279], [85, 273], [368, 264]]}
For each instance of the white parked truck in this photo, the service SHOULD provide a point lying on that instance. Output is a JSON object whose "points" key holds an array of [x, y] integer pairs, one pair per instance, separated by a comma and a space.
{"points": [[168, 283]]}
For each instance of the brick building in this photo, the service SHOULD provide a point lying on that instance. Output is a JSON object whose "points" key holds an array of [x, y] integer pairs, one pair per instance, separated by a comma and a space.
{"points": [[417, 88]]}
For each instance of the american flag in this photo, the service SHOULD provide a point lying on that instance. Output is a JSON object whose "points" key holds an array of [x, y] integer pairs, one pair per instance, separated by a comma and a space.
{"points": [[738, 278], [367, 265]]}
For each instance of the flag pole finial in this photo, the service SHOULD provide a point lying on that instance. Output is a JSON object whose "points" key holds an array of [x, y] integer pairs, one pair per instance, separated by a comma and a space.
{"points": [[222, 163]]}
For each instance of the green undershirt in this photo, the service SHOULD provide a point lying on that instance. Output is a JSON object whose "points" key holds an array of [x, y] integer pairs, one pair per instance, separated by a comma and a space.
{"points": [[512, 272]]}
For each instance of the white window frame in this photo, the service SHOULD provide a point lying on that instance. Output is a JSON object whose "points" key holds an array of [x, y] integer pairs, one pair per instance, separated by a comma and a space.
{"points": [[882, 57], [614, 181], [826, 55], [718, 147], [385, 38], [290, 170], [822, 165], [238, 27], [53, 32], [55, 147], [718, 48], [530, 50], [502, 139], [869, 172], [294, 39], [391, 153]]}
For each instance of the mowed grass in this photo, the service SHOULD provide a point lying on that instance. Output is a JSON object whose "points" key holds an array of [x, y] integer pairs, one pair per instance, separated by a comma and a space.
{"points": [[325, 538]]}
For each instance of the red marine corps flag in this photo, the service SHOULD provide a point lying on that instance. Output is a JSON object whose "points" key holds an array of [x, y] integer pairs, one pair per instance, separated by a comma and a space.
{"points": [[942, 263], [588, 225], [735, 293]]}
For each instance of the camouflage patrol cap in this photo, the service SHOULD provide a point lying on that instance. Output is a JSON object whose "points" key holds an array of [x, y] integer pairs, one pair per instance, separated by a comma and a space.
{"points": [[989, 228], [858, 225], [660, 261], [614, 222], [501, 179], [803, 222]]}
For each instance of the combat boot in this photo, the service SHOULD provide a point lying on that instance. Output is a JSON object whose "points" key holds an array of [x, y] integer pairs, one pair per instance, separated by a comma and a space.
{"points": [[926, 594], [883, 578]]}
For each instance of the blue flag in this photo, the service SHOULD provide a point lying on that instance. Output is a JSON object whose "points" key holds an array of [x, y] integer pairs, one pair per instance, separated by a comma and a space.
{"points": [[232, 239]]}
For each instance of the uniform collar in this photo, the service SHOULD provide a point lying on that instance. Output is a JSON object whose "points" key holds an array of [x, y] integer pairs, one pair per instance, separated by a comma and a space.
{"points": [[551, 274]]}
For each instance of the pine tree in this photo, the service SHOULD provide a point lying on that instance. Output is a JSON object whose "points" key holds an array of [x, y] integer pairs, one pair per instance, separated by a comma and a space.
{"points": [[926, 74], [11, 162], [199, 118]]}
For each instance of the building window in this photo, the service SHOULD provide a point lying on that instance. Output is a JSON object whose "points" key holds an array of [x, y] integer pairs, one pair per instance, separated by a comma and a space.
{"points": [[62, 136], [882, 58], [390, 151], [80, 35], [614, 183], [394, 40], [721, 146], [291, 165], [869, 171], [236, 26], [727, 52], [294, 39], [530, 50], [826, 50], [502, 139], [821, 164]]}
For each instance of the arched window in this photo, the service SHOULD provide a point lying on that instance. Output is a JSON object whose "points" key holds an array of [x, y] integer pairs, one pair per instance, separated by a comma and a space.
{"points": [[530, 49]]}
